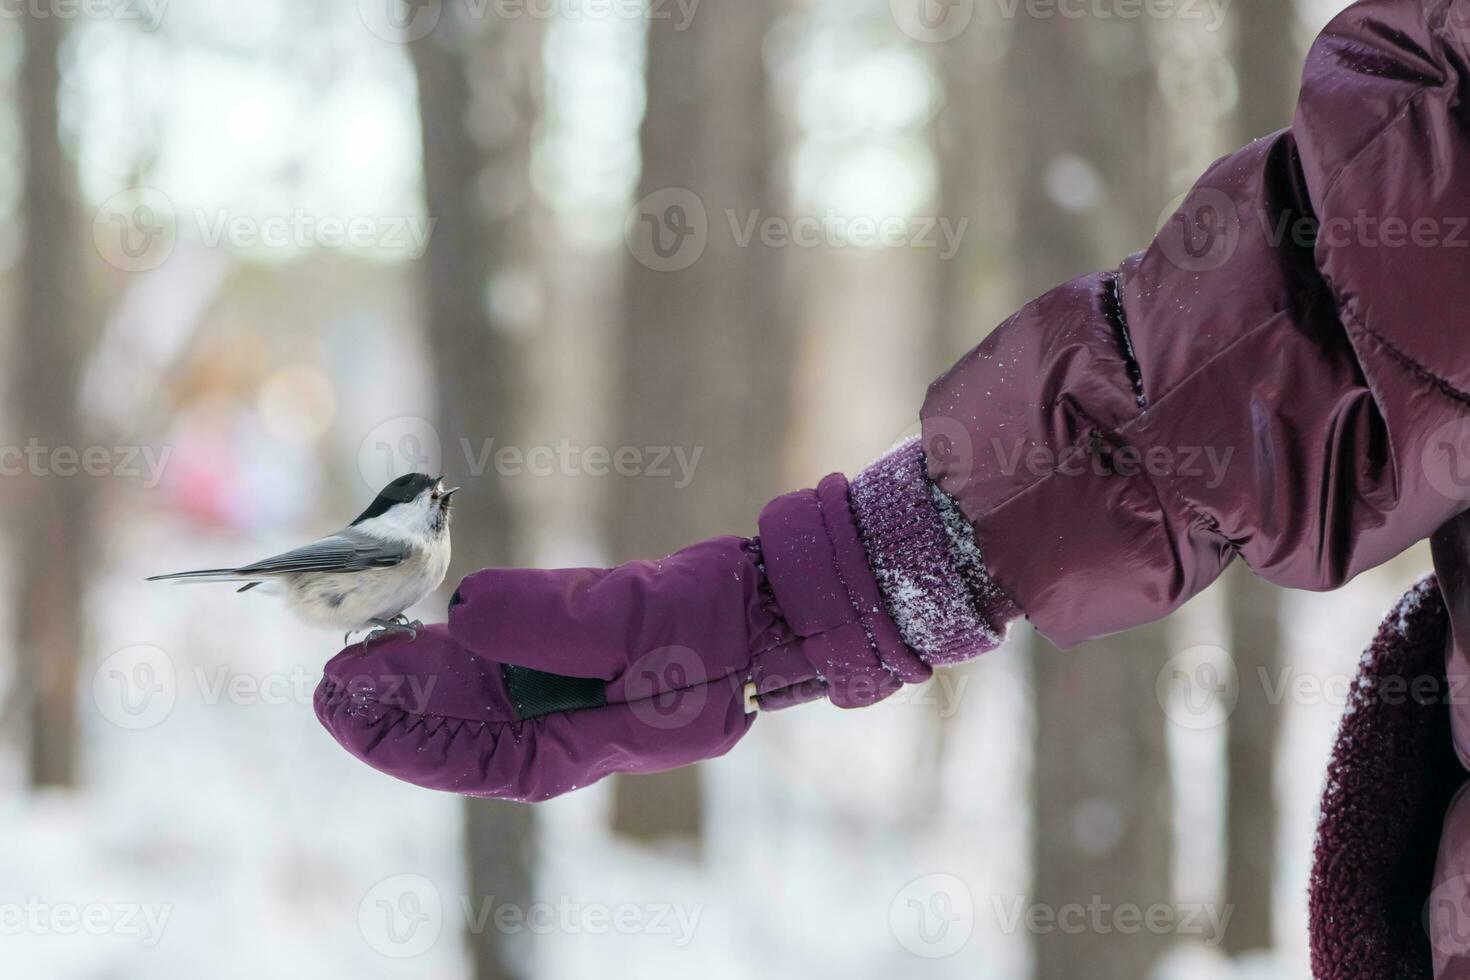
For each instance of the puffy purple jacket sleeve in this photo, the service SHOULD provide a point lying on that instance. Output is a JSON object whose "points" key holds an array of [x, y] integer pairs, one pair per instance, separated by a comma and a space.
{"points": [[1276, 377]]}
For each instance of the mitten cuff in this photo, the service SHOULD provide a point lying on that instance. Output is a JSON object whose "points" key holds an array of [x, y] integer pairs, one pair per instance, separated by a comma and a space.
{"points": [[923, 553], [824, 586]]}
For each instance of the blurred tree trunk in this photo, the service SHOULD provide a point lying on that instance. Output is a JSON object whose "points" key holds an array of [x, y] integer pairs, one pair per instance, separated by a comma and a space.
{"points": [[1104, 815], [1103, 792], [476, 361], [706, 349], [1250, 815], [975, 174], [1268, 64], [52, 513]]}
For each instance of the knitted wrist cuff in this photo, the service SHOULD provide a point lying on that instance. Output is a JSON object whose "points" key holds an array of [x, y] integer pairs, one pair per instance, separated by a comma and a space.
{"points": [[923, 553]]}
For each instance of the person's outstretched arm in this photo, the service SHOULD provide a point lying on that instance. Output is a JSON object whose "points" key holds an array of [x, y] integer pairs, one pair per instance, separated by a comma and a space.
{"points": [[1284, 375]]}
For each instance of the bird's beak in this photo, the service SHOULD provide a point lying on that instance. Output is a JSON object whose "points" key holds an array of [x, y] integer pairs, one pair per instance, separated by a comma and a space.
{"points": [[449, 492]]}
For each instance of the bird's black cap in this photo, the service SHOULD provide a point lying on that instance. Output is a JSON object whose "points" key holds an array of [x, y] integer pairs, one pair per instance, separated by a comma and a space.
{"points": [[400, 491]]}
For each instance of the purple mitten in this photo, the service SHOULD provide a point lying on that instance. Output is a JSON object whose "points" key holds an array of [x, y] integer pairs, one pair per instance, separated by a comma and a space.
{"points": [[545, 681]]}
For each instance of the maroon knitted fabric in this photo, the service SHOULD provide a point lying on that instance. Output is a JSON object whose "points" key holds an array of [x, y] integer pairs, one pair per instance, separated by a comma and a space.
{"points": [[1392, 773], [923, 553]]}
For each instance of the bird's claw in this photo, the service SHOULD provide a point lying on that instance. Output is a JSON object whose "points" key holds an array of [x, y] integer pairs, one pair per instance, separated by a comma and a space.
{"points": [[398, 624], [413, 634]]}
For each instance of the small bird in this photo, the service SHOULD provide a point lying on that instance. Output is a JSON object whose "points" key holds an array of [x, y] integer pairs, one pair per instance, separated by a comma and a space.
{"points": [[368, 573]]}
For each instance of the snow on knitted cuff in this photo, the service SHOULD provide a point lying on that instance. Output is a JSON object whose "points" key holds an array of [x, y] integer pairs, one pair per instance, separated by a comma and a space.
{"points": [[923, 553]]}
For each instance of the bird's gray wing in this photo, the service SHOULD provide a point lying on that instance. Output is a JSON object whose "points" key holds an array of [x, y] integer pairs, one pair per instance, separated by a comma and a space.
{"points": [[343, 552]]}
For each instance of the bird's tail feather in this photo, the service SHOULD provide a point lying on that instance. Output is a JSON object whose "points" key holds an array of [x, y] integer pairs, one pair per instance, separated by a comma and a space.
{"points": [[204, 576]]}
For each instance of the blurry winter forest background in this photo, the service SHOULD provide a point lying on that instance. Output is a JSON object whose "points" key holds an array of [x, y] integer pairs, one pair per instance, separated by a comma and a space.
{"points": [[625, 277]]}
